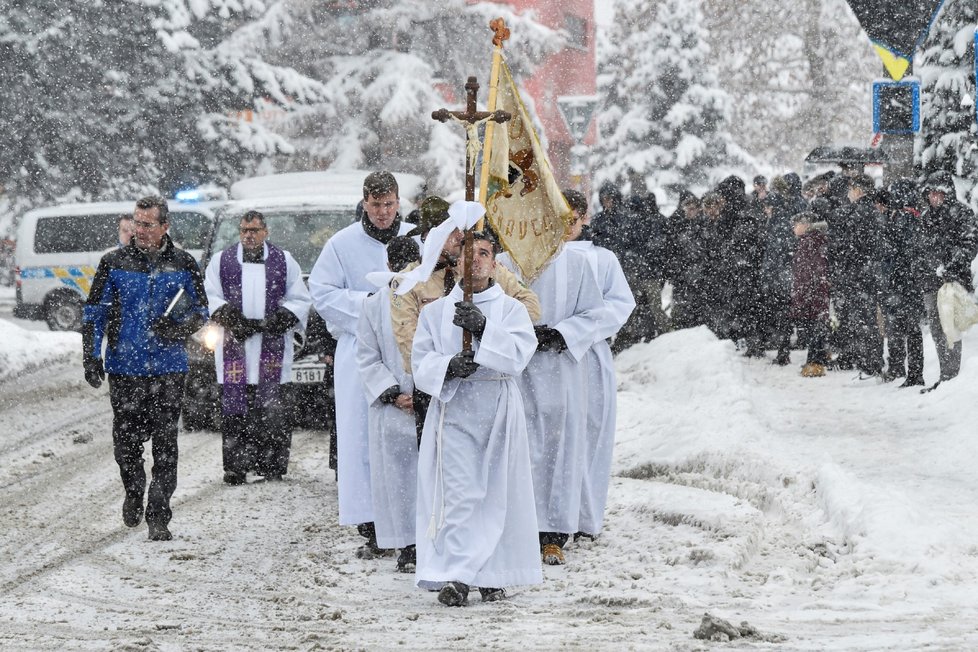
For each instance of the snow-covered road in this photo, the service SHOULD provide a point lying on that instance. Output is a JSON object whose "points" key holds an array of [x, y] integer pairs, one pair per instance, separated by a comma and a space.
{"points": [[829, 513]]}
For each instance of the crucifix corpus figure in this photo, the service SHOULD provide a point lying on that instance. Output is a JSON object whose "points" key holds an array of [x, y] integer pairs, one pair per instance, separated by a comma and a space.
{"points": [[471, 117]]}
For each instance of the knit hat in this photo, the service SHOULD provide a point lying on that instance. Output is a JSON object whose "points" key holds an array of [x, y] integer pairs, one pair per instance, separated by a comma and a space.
{"points": [[433, 211], [940, 181]]}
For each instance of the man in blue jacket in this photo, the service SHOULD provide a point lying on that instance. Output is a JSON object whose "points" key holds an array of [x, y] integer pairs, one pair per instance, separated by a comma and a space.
{"points": [[146, 299]]}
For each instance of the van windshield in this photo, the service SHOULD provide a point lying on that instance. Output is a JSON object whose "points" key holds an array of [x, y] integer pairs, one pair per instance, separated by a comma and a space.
{"points": [[67, 233], [301, 232], [79, 233]]}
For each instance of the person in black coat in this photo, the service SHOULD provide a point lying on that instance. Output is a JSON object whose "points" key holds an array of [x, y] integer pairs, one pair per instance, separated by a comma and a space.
{"points": [[684, 260], [776, 266], [902, 296], [635, 238], [856, 233], [949, 245], [742, 255]]}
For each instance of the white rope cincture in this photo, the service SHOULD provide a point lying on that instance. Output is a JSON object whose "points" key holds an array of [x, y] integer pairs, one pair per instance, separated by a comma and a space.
{"points": [[437, 521]]}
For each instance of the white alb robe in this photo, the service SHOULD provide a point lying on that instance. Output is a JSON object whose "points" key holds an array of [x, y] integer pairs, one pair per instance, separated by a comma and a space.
{"points": [[602, 397], [338, 285], [554, 388], [392, 434], [476, 521], [296, 301]]}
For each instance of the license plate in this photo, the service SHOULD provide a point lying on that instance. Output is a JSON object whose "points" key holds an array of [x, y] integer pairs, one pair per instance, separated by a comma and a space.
{"points": [[308, 373]]}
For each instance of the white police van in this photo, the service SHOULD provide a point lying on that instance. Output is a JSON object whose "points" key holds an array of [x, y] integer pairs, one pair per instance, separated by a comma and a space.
{"points": [[59, 247]]}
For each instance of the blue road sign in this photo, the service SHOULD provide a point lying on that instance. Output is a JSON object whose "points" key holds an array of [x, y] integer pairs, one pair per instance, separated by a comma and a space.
{"points": [[896, 107]]}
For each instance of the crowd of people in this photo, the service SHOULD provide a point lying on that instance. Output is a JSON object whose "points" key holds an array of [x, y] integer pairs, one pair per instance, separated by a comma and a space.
{"points": [[475, 423], [835, 264]]}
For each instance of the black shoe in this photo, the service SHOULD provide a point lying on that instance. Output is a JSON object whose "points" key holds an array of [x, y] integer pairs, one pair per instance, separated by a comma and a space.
{"points": [[159, 532], [783, 359], [407, 560], [132, 510], [892, 374], [492, 595], [583, 535], [234, 479], [931, 388], [912, 382], [454, 594]]}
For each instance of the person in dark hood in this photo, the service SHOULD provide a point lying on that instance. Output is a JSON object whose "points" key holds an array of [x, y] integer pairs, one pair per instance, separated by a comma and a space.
{"points": [[742, 256], [949, 246]]}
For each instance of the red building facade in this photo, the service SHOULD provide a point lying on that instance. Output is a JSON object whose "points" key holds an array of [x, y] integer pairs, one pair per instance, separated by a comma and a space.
{"points": [[570, 72]]}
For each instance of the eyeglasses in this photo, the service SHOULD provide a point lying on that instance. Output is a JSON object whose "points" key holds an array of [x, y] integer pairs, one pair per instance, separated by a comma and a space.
{"points": [[251, 229], [145, 225]]}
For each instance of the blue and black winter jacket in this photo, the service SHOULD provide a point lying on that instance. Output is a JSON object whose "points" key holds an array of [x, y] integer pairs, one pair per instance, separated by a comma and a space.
{"points": [[128, 294]]}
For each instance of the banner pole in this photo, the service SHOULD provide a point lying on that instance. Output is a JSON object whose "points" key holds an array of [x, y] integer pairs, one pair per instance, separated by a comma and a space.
{"points": [[500, 34]]}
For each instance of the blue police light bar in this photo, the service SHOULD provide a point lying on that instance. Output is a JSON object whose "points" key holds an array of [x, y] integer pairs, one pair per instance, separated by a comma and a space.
{"points": [[189, 195], [896, 107]]}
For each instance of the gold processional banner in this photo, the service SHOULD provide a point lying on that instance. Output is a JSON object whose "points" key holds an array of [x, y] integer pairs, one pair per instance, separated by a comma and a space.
{"points": [[524, 203]]}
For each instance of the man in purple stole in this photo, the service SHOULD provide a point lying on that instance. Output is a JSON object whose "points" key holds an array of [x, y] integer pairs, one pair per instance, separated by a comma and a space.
{"points": [[255, 292]]}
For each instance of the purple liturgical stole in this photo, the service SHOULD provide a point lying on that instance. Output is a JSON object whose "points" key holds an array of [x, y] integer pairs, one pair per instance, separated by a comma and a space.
{"points": [[235, 400]]}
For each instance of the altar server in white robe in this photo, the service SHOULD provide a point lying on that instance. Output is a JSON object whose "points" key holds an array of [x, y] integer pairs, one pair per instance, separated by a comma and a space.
{"points": [[392, 431], [255, 292], [476, 521], [338, 286], [554, 388], [602, 399]]}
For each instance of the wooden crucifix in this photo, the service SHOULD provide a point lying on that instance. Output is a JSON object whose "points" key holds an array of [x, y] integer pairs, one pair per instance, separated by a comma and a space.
{"points": [[470, 117]]}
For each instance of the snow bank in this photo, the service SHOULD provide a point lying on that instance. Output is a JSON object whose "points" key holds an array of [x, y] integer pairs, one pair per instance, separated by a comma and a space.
{"points": [[23, 349], [694, 412]]}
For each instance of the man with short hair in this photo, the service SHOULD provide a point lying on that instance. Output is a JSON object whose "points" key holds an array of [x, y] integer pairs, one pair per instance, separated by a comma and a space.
{"points": [[126, 229], [391, 419], [948, 248], [338, 285], [146, 299], [554, 385], [602, 387], [256, 294], [475, 515]]}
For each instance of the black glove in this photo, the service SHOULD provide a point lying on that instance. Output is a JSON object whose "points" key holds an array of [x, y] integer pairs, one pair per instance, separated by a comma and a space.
{"points": [[281, 320], [168, 329], [233, 320], [462, 365], [389, 397], [469, 317], [549, 339], [94, 371]]}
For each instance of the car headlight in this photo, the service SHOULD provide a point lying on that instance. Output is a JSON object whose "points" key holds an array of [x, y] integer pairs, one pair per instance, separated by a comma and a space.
{"points": [[209, 335]]}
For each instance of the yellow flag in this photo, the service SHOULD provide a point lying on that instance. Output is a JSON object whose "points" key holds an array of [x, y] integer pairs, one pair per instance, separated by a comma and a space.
{"points": [[524, 204]]}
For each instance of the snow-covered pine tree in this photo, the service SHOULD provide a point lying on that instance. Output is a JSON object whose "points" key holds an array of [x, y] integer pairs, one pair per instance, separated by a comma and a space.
{"points": [[387, 65], [664, 115], [801, 74], [948, 138], [108, 99]]}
